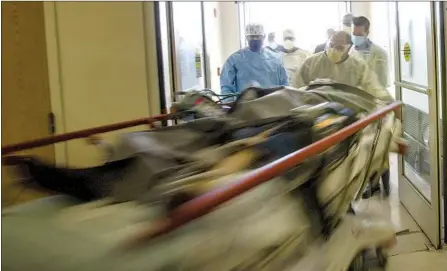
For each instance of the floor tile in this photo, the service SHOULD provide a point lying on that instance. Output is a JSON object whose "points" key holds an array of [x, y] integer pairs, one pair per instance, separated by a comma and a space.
{"points": [[409, 243], [419, 261], [384, 208]]}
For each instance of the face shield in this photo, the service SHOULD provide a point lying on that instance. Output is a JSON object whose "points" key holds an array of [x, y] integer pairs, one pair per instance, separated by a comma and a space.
{"points": [[338, 48]]}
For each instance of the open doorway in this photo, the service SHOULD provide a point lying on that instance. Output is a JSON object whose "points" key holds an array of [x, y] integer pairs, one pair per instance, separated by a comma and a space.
{"points": [[307, 19]]}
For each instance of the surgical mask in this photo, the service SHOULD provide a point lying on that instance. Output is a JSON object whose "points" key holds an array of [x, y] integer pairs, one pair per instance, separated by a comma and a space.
{"points": [[288, 44], [358, 40], [335, 56], [347, 29], [255, 45]]}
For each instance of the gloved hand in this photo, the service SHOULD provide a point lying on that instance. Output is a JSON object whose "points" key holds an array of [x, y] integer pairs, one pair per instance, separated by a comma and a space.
{"points": [[398, 143]]}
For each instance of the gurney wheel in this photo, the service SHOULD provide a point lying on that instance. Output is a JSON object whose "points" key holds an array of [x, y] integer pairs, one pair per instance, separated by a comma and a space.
{"points": [[382, 257], [359, 263]]}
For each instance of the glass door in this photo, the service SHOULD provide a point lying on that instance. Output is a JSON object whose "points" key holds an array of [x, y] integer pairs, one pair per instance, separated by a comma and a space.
{"points": [[188, 45], [441, 21], [416, 86]]}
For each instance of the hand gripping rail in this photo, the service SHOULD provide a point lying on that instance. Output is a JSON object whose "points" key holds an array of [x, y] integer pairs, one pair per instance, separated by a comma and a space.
{"points": [[204, 204]]}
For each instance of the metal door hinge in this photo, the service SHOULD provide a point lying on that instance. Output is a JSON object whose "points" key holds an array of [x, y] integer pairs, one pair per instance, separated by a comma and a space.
{"points": [[51, 123]]}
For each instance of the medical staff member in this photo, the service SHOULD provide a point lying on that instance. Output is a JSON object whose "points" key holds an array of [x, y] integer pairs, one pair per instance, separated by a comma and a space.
{"points": [[337, 64], [293, 57], [374, 55], [322, 47], [347, 22], [377, 60], [272, 45], [252, 65]]}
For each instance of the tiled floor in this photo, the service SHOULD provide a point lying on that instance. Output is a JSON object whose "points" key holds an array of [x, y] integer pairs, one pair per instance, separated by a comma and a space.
{"points": [[419, 261], [411, 252]]}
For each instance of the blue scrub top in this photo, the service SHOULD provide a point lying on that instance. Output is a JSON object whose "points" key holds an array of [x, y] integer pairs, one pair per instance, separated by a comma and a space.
{"points": [[245, 67]]}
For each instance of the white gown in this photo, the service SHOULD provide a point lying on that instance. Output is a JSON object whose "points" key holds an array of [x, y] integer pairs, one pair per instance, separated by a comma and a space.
{"points": [[354, 72], [293, 61]]}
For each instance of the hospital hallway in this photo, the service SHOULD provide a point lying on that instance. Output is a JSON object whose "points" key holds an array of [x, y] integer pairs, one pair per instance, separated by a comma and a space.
{"points": [[413, 250], [91, 89]]}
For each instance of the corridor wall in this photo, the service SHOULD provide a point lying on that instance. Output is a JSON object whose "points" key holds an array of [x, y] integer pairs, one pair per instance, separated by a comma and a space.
{"points": [[102, 66]]}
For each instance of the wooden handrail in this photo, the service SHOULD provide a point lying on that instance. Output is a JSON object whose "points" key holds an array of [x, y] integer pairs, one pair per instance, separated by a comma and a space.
{"points": [[81, 134], [204, 204]]}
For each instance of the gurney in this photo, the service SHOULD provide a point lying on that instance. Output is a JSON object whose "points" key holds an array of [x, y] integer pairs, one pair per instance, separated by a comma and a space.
{"points": [[278, 211]]}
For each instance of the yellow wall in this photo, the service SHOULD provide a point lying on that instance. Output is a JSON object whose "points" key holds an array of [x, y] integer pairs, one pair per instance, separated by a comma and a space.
{"points": [[25, 89], [103, 68]]}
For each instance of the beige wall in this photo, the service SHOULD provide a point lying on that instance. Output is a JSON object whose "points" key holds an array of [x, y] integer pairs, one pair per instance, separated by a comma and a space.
{"points": [[103, 68], [229, 28], [361, 8]]}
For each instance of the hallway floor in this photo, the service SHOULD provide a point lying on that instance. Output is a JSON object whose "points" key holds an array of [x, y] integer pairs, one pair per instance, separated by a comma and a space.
{"points": [[413, 252], [416, 261]]}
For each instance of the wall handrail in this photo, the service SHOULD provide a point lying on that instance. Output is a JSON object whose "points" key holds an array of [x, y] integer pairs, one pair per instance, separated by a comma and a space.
{"points": [[206, 203], [44, 141]]}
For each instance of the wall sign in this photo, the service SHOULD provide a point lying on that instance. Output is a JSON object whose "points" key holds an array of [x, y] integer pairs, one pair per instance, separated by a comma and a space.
{"points": [[407, 52], [198, 61]]}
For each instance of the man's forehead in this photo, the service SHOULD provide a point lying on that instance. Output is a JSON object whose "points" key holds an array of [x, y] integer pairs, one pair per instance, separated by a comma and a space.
{"points": [[339, 39], [359, 26]]}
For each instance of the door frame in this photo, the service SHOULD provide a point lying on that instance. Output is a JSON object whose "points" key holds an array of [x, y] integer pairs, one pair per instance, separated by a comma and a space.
{"points": [[442, 82], [205, 60], [165, 60], [425, 213], [55, 78], [160, 58]]}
